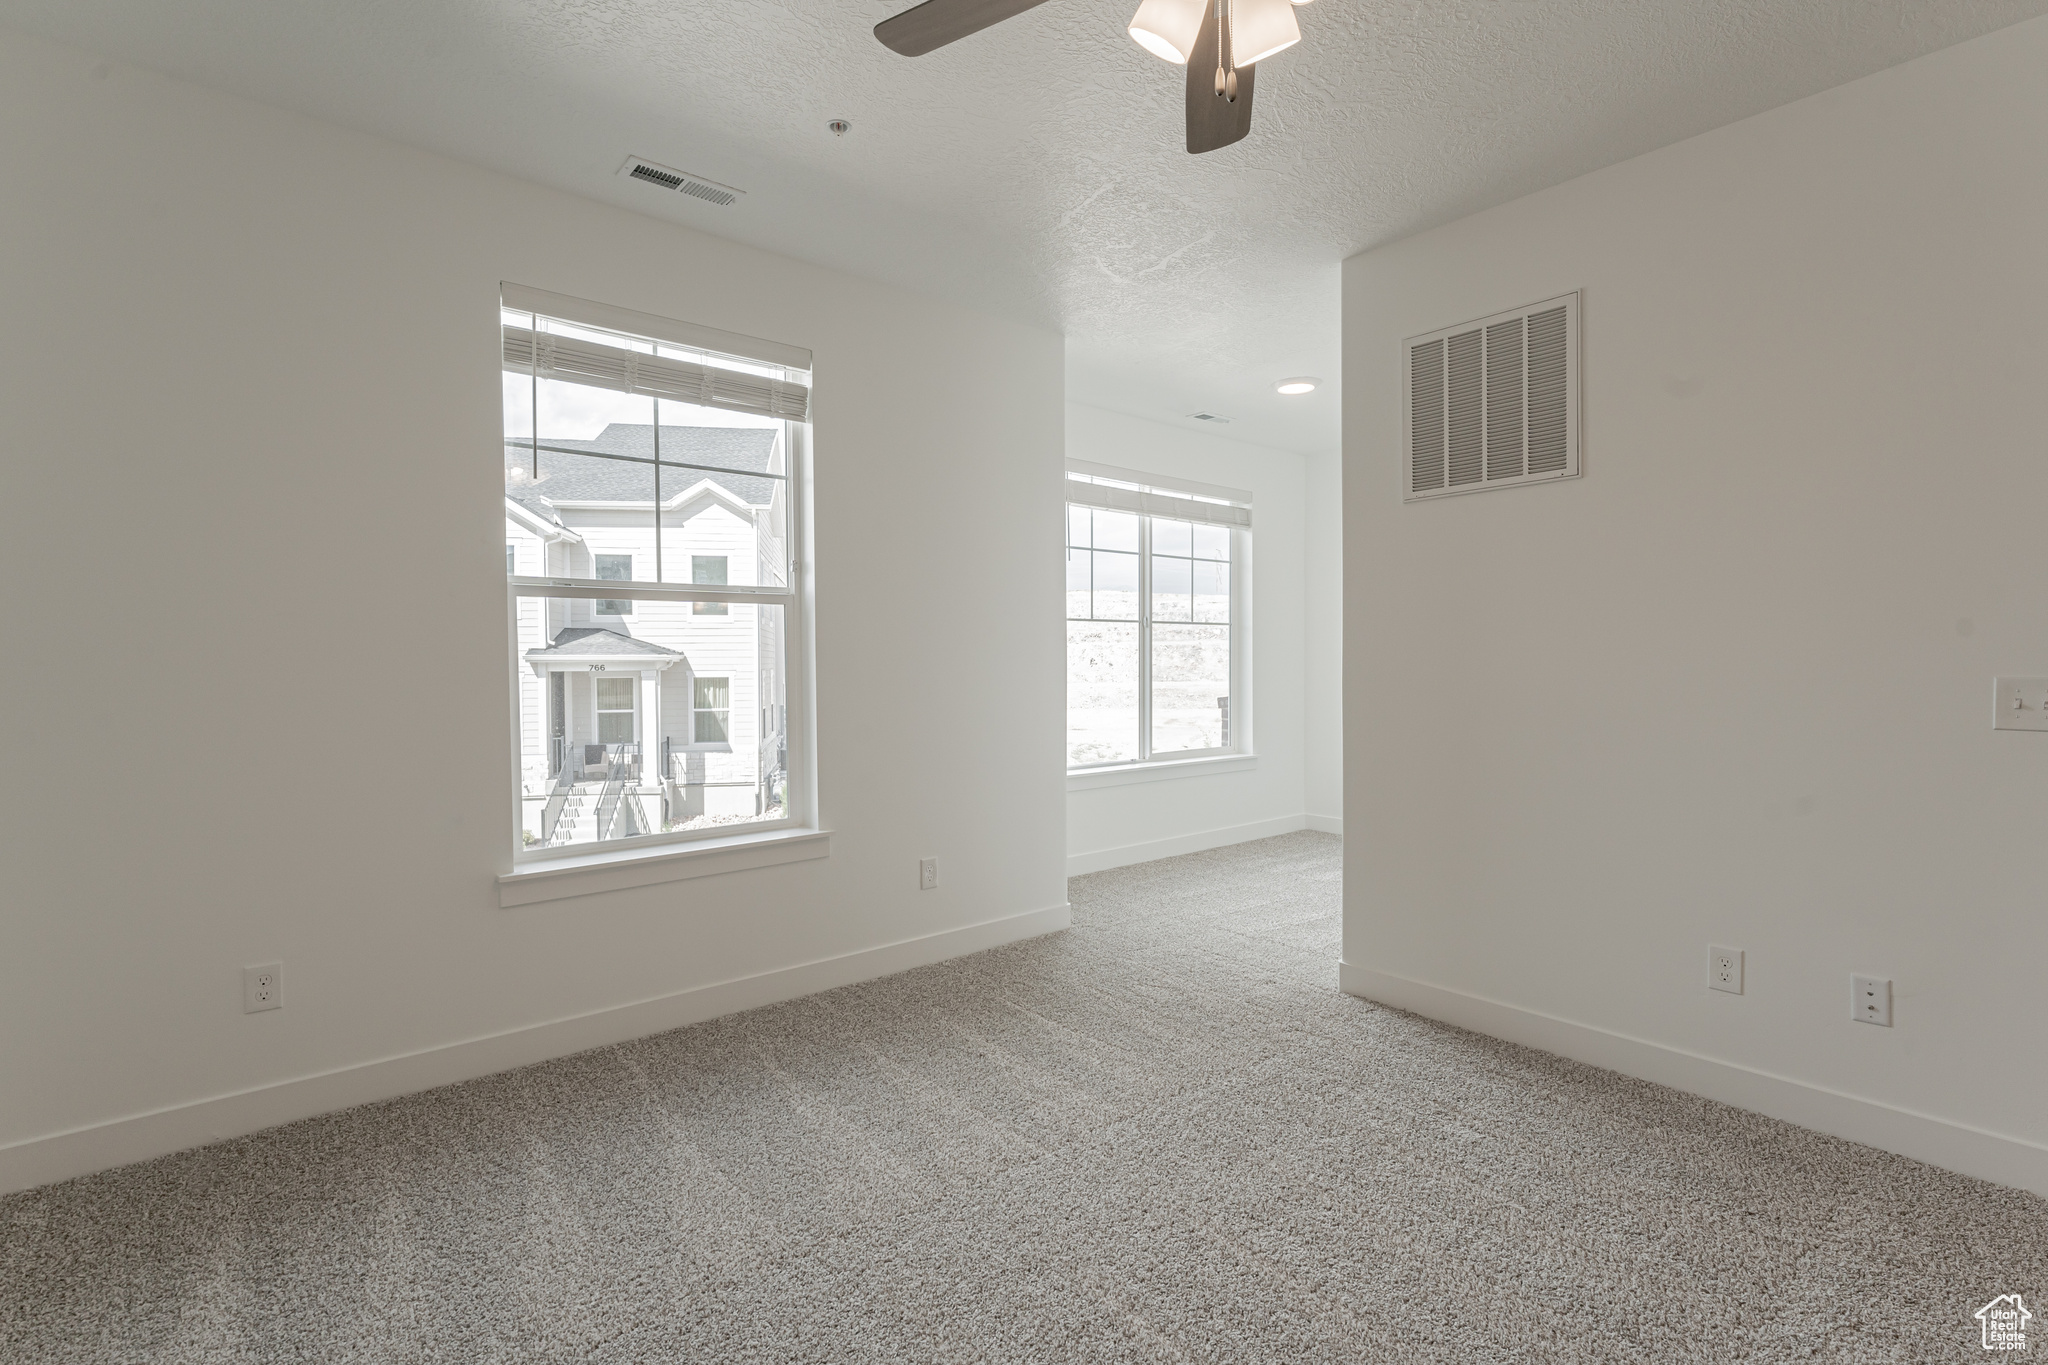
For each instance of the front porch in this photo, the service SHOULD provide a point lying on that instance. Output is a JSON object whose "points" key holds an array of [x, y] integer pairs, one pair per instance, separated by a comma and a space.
{"points": [[612, 763]]}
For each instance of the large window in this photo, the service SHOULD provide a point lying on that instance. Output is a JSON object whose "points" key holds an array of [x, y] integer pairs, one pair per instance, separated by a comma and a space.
{"points": [[653, 483], [1154, 616]]}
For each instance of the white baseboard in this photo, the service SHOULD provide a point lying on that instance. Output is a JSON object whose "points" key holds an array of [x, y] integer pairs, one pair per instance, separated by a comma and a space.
{"points": [[1936, 1141], [101, 1146], [1328, 824], [1101, 860]]}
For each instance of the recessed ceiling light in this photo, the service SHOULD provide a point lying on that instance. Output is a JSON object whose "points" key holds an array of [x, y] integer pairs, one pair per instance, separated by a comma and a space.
{"points": [[1301, 383]]}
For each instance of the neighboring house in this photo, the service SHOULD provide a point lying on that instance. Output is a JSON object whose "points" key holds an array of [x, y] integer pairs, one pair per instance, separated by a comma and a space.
{"points": [[637, 717]]}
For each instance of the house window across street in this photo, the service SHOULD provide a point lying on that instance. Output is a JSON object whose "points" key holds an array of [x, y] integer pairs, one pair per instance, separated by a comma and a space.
{"points": [[709, 570], [614, 569], [1155, 604], [615, 709], [653, 485], [714, 709]]}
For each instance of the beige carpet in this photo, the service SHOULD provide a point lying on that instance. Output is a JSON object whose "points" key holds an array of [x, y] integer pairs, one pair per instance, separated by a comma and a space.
{"points": [[1160, 1136]]}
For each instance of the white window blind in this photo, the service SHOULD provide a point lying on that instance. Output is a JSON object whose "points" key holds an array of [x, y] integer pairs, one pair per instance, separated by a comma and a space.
{"points": [[581, 361], [1121, 490]]}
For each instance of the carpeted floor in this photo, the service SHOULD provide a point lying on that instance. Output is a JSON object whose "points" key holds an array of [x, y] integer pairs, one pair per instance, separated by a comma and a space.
{"points": [[1160, 1136]]}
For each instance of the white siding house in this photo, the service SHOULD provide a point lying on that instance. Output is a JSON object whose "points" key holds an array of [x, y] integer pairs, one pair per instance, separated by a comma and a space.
{"points": [[637, 717]]}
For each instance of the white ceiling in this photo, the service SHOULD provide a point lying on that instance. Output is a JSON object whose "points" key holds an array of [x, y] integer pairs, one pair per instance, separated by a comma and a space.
{"points": [[1036, 169]]}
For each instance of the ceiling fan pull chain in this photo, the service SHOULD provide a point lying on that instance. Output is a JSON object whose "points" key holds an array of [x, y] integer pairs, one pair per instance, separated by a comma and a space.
{"points": [[1226, 63]]}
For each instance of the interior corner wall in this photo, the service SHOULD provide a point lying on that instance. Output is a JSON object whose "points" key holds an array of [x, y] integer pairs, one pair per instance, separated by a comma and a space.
{"points": [[258, 631], [1323, 644], [1734, 685], [1116, 825]]}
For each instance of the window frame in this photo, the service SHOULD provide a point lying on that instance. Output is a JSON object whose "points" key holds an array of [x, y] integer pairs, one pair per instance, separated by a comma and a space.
{"points": [[1240, 751], [799, 821]]}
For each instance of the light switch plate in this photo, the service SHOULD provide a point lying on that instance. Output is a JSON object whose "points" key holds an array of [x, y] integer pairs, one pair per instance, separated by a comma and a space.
{"points": [[2020, 704]]}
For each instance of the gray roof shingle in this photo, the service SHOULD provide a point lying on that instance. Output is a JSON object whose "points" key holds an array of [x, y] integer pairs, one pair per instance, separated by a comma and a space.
{"points": [[565, 478], [581, 640]]}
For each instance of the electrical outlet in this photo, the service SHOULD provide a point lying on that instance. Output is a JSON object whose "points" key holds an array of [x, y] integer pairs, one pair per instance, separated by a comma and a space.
{"points": [[263, 988], [1724, 969], [927, 874], [1872, 1002]]}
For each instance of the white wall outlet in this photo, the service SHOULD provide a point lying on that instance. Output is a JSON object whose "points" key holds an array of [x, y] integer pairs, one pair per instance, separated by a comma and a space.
{"points": [[2020, 704], [927, 874], [1724, 969], [263, 988], [1872, 999]]}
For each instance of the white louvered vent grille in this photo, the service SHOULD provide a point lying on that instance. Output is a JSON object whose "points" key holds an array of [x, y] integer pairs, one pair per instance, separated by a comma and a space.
{"points": [[1492, 402], [669, 178]]}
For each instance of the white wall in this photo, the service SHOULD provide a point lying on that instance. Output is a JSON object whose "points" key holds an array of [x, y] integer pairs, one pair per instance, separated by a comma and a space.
{"points": [[1733, 686], [249, 378], [1323, 643], [1110, 826]]}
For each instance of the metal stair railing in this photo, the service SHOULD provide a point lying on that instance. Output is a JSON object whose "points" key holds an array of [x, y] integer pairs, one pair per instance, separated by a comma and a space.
{"points": [[551, 813], [624, 766]]}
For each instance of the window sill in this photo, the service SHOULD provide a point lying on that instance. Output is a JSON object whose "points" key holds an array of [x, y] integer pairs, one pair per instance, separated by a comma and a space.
{"points": [[589, 874], [1090, 778]]}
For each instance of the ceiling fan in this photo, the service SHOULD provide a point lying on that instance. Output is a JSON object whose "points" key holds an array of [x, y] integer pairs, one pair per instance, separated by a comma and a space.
{"points": [[1219, 41]]}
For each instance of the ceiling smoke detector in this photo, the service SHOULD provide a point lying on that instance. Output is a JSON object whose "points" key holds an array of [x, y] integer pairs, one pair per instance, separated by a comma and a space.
{"points": [[669, 178]]}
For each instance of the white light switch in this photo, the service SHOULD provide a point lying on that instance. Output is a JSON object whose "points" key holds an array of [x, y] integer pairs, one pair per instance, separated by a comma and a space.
{"points": [[2020, 704]]}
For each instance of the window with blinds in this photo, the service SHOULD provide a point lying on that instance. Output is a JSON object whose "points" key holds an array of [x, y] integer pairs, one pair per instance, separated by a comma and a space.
{"points": [[1492, 402], [653, 493], [1155, 600]]}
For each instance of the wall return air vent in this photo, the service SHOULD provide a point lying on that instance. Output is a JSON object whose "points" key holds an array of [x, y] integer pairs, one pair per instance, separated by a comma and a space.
{"points": [[669, 178], [1493, 402]]}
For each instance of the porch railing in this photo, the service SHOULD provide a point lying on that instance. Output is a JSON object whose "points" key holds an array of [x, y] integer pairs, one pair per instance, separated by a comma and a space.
{"points": [[621, 769], [551, 813]]}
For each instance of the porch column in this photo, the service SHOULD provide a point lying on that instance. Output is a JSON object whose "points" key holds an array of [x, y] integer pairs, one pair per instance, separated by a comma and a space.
{"points": [[651, 774]]}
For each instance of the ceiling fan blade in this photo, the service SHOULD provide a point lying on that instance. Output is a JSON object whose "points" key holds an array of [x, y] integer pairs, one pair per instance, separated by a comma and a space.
{"points": [[938, 22], [1212, 120]]}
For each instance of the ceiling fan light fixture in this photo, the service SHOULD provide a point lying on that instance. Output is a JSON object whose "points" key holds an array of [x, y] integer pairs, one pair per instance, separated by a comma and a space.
{"points": [[1167, 28], [1260, 28]]}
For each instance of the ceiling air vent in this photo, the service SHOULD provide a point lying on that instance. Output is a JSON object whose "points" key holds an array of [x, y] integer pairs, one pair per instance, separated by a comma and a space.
{"points": [[669, 178], [1492, 402], [1209, 417]]}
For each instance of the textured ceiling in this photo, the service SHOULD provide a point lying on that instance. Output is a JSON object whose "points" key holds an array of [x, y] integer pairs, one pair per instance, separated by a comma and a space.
{"points": [[1036, 168]]}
